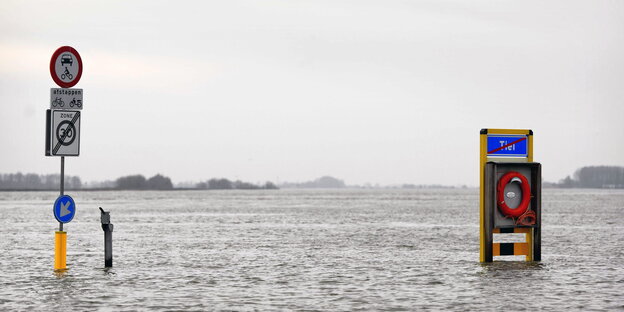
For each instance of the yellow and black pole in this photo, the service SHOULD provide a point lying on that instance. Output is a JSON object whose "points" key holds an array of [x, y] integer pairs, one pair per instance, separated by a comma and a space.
{"points": [[510, 194]]}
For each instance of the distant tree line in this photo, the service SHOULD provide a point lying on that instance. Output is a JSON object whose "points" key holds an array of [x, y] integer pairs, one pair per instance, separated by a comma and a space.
{"points": [[32, 181], [329, 182], [322, 182], [225, 184], [595, 177], [139, 182], [425, 186]]}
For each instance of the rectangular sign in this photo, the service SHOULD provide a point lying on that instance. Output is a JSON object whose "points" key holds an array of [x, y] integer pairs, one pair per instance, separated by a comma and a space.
{"points": [[501, 145], [61, 98], [63, 133]]}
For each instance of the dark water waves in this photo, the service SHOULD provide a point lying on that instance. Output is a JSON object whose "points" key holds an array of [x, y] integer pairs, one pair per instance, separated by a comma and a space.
{"points": [[306, 250]]}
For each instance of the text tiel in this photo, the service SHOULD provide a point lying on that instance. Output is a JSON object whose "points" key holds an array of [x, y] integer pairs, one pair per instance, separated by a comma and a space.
{"points": [[508, 148]]}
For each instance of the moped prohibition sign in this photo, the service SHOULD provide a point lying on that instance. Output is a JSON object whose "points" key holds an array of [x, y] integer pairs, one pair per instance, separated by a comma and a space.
{"points": [[66, 67]]}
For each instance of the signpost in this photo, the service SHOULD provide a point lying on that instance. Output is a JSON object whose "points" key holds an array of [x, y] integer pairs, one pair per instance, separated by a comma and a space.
{"points": [[63, 134]]}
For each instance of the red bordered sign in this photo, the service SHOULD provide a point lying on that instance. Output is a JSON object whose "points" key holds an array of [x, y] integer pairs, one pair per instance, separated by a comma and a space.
{"points": [[66, 67]]}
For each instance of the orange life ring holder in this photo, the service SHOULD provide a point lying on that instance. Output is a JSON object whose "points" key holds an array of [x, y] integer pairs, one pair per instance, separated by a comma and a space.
{"points": [[526, 194]]}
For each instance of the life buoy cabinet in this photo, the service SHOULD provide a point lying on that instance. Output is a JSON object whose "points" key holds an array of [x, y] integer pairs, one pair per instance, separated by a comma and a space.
{"points": [[526, 194]]}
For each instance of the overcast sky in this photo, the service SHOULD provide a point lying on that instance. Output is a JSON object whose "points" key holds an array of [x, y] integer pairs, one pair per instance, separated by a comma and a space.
{"points": [[367, 91]]}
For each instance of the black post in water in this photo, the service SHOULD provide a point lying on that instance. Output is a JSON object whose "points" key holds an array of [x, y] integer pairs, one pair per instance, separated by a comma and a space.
{"points": [[62, 186], [108, 237]]}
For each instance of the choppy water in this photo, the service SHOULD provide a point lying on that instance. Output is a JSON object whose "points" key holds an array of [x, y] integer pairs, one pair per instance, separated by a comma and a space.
{"points": [[306, 250]]}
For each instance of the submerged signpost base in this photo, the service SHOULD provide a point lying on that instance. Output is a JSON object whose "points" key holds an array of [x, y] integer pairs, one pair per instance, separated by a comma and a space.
{"points": [[60, 250]]}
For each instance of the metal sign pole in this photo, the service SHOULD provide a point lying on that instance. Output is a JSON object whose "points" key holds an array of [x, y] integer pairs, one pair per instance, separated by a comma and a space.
{"points": [[60, 238], [62, 186]]}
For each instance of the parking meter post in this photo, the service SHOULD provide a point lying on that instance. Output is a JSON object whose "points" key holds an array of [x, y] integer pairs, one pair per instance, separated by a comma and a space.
{"points": [[108, 237]]}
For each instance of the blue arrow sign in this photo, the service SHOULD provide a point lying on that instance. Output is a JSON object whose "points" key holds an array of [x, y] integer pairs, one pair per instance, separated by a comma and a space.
{"points": [[64, 209]]}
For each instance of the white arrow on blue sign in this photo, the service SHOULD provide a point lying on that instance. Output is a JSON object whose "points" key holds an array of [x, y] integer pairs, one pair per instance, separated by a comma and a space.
{"points": [[64, 209]]}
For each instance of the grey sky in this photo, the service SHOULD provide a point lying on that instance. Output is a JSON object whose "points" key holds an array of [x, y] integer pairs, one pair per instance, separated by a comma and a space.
{"points": [[367, 91]]}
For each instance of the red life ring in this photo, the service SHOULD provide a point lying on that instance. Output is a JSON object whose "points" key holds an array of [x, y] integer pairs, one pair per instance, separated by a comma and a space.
{"points": [[526, 194]]}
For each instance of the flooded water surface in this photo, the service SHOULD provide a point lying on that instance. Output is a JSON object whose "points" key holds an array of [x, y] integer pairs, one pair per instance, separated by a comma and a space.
{"points": [[306, 250]]}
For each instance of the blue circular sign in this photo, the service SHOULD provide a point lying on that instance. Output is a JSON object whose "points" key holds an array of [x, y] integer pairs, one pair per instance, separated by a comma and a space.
{"points": [[64, 209]]}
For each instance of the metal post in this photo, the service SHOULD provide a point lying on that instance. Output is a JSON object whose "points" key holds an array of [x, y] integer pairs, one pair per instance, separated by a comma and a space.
{"points": [[108, 249], [60, 238], [62, 175], [108, 237], [62, 186]]}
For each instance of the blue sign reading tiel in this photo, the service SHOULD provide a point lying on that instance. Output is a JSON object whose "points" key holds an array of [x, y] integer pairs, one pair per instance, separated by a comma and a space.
{"points": [[507, 146], [64, 209]]}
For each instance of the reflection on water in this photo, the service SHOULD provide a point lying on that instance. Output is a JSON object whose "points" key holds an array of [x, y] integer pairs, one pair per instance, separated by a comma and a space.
{"points": [[512, 267], [60, 273], [313, 250]]}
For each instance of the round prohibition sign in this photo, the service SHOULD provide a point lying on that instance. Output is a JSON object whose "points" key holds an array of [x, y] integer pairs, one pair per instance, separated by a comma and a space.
{"points": [[68, 132], [66, 67]]}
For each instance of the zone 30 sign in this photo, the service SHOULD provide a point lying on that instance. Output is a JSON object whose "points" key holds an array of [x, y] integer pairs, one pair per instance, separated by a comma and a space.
{"points": [[63, 134]]}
